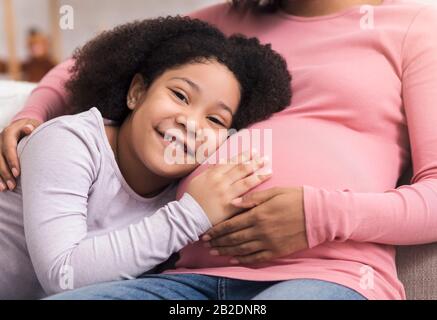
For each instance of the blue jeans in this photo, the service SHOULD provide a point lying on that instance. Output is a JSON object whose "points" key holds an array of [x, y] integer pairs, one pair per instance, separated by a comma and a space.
{"points": [[203, 287]]}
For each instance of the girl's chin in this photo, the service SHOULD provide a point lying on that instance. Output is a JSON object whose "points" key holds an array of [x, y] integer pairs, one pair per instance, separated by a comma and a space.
{"points": [[172, 171]]}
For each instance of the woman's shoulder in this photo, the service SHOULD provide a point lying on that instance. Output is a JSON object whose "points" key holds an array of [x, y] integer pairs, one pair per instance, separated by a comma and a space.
{"points": [[409, 25], [409, 8], [221, 15], [211, 13], [416, 19]]}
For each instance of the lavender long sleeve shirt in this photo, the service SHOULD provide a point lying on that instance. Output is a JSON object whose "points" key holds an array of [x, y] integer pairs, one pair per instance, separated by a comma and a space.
{"points": [[73, 220]]}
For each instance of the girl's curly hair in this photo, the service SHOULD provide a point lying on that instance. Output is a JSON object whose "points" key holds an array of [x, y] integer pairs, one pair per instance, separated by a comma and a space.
{"points": [[105, 66]]}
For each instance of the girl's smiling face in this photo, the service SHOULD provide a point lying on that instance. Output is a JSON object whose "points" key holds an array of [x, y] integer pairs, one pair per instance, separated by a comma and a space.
{"points": [[186, 101]]}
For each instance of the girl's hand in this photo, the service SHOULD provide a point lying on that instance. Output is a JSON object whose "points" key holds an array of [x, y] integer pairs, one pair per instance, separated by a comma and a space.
{"points": [[216, 187], [274, 227], [9, 138]]}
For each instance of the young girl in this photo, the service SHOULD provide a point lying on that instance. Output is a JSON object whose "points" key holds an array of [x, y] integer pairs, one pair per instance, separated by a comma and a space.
{"points": [[95, 202]]}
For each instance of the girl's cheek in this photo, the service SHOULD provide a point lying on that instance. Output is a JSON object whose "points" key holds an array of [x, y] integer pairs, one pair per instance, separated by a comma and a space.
{"points": [[166, 106], [217, 142], [221, 137], [213, 140]]}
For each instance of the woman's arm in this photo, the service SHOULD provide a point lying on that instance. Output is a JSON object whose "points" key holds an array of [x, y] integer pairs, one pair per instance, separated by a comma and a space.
{"points": [[49, 99], [58, 172], [46, 101], [406, 215]]}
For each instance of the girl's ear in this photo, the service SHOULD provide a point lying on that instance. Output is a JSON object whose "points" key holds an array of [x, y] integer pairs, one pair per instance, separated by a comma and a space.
{"points": [[136, 91]]}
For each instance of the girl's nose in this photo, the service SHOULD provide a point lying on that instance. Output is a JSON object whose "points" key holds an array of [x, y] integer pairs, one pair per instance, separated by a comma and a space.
{"points": [[190, 123], [182, 120]]}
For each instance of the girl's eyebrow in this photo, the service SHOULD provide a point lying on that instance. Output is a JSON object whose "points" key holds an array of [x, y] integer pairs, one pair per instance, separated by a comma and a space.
{"points": [[197, 88], [191, 83], [224, 106]]}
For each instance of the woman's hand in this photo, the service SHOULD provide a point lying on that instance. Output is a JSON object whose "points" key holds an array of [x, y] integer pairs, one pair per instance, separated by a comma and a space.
{"points": [[216, 187], [9, 138], [273, 228]]}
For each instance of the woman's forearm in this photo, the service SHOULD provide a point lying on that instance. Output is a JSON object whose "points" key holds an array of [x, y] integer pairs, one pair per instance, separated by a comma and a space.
{"points": [[49, 99], [403, 216]]}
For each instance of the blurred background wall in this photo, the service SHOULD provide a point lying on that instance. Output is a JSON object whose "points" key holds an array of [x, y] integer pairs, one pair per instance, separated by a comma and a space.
{"points": [[48, 44], [90, 17]]}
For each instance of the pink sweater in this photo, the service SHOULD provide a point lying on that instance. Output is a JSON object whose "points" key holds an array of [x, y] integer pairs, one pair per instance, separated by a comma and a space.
{"points": [[364, 108]]}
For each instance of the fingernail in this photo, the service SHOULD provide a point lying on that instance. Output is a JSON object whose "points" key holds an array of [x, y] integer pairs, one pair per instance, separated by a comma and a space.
{"points": [[234, 261], [2, 187], [265, 171], [258, 160], [10, 184], [264, 176], [214, 252], [15, 172], [206, 238], [246, 158], [207, 245], [237, 201]]}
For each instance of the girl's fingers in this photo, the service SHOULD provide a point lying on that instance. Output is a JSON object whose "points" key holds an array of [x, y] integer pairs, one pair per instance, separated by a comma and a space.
{"points": [[222, 169], [243, 170], [243, 157], [244, 185]]}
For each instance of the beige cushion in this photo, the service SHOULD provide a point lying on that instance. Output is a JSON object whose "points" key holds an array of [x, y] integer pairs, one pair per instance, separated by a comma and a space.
{"points": [[417, 269], [13, 94], [417, 265]]}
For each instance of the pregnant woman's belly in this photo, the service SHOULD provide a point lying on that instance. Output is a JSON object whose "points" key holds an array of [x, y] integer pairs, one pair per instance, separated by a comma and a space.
{"points": [[319, 153]]}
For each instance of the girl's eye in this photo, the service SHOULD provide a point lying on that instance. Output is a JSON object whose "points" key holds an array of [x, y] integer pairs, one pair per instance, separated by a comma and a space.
{"points": [[180, 96], [216, 121]]}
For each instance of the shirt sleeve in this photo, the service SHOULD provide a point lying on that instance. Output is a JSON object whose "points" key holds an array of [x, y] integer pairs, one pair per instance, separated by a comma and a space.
{"points": [[406, 215], [59, 168], [49, 99]]}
